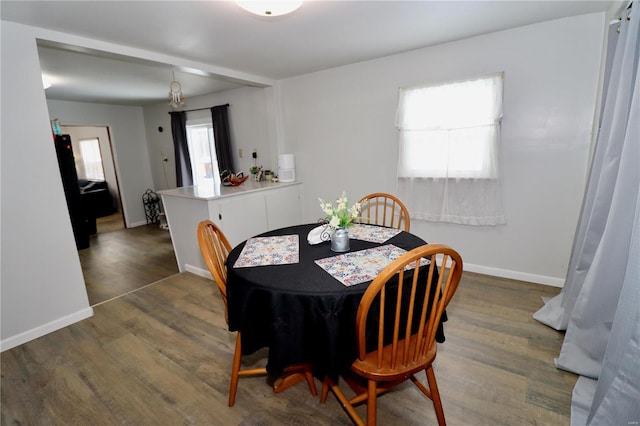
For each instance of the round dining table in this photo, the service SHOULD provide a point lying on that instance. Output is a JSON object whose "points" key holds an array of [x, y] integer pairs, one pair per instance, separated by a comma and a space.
{"points": [[298, 310]]}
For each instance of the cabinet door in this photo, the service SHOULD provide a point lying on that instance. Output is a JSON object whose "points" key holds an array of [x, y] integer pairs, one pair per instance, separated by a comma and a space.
{"points": [[243, 217], [284, 207]]}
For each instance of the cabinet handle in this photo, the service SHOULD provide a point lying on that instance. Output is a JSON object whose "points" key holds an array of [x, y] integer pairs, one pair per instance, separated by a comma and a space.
{"points": [[219, 216]]}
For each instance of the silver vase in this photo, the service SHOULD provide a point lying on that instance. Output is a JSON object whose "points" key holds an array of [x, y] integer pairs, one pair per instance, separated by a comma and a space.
{"points": [[340, 240]]}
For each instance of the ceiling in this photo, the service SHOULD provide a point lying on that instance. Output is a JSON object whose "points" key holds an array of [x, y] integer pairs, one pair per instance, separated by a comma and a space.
{"points": [[319, 35]]}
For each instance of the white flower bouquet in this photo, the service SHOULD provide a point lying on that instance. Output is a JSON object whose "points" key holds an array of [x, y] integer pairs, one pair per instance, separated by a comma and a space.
{"points": [[341, 215]]}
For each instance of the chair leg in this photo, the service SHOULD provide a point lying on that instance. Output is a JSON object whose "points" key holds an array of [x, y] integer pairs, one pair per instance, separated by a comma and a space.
{"points": [[435, 395], [235, 371], [372, 398], [311, 381], [326, 382]]}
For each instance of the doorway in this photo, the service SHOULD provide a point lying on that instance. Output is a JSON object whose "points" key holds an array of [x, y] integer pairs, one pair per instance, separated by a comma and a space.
{"points": [[97, 174]]}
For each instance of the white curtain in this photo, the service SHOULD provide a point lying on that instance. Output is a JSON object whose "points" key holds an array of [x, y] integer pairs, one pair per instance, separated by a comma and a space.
{"points": [[599, 306], [448, 151]]}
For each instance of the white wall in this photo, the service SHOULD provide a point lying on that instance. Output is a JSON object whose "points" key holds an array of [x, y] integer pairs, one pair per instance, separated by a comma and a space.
{"points": [[339, 123], [248, 129], [129, 143], [42, 286]]}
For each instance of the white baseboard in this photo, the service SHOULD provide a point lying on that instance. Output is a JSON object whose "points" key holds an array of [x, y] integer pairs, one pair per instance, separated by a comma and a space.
{"points": [[515, 275], [204, 273], [136, 224], [34, 333]]}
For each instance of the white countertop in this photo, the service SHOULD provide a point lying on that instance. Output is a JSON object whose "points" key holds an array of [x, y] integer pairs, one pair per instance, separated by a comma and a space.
{"points": [[211, 192]]}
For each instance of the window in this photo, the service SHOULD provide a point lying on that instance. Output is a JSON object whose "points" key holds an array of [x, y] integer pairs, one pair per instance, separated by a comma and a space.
{"points": [[91, 159], [448, 151], [204, 164], [450, 130]]}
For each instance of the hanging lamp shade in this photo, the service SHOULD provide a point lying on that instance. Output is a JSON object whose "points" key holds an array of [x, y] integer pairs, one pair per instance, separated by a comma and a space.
{"points": [[270, 7]]}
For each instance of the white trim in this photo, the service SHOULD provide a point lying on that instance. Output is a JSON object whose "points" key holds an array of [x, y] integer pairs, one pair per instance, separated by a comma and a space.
{"points": [[204, 273], [140, 223], [515, 275], [47, 328]]}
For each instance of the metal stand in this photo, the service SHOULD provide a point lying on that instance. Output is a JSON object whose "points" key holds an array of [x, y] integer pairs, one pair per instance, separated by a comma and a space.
{"points": [[151, 203]]}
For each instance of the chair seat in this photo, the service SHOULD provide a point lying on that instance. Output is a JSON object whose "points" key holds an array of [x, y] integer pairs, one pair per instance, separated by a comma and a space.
{"points": [[368, 367]]}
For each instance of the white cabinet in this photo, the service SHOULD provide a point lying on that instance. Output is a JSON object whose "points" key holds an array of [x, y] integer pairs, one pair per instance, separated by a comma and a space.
{"points": [[243, 217], [284, 208], [241, 212]]}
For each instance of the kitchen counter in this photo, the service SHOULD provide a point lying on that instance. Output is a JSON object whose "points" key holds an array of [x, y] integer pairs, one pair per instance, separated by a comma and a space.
{"points": [[211, 192], [240, 211]]}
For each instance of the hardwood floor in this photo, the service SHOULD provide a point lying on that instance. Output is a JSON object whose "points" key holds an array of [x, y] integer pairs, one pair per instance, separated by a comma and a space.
{"points": [[110, 223], [162, 356], [123, 260]]}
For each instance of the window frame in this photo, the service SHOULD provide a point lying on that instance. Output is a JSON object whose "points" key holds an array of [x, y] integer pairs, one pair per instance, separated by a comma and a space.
{"points": [[89, 166], [190, 125]]}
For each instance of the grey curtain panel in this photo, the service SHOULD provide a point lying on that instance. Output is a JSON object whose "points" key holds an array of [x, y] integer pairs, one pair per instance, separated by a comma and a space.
{"points": [[599, 306], [184, 177]]}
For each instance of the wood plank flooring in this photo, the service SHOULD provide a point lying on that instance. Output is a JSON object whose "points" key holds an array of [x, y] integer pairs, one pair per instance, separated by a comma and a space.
{"points": [[162, 356], [110, 223], [123, 260]]}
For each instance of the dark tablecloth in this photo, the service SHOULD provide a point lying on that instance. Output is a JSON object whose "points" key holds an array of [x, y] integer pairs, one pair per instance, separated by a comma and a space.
{"points": [[299, 311]]}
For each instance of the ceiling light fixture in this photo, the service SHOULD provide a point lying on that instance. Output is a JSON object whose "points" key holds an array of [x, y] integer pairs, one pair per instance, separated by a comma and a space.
{"points": [[270, 7], [176, 98]]}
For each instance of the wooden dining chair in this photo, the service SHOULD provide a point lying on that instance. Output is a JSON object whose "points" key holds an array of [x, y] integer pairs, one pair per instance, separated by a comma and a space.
{"points": [[403, 329], [380, 208], [215, 249]]}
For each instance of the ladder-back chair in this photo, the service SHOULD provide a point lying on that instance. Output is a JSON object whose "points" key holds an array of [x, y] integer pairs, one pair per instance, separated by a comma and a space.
{"points": [[215, 249], [384, 209], [398, 339]]}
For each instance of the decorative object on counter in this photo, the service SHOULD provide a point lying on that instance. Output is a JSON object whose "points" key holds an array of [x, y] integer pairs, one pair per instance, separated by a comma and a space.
{"points": [[268, 175], [340, 217], [151, 203], [229, 179], [237, 180], [286, 168], [255, 170]]}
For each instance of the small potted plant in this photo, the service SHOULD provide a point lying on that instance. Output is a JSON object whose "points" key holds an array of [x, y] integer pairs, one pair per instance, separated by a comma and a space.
{"points": [[255, 172]]}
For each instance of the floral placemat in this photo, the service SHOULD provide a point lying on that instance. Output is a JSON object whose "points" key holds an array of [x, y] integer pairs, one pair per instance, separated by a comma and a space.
{"points": [[372, 233], [362, 266], [261, 251]]}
